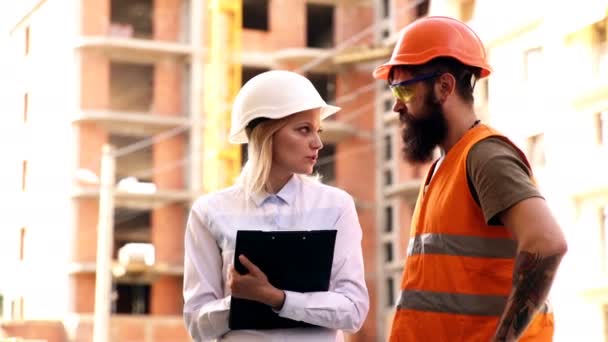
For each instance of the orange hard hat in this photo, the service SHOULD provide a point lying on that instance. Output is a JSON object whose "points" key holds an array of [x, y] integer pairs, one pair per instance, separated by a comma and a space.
{"points": [[432, 37]]}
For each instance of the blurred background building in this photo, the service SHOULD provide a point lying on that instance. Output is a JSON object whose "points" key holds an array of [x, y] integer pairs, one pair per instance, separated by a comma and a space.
{"points": [[154, 79]]}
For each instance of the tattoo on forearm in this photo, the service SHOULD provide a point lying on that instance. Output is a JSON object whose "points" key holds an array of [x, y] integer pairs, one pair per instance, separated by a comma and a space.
{"points": [[532, 278]]}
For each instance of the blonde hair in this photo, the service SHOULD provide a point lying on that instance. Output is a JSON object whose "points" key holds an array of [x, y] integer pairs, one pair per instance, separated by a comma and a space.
{"points": [[254, 175]]}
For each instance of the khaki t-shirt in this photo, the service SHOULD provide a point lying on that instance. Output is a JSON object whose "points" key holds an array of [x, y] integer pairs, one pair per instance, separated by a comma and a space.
{"points": [[498, 178]]}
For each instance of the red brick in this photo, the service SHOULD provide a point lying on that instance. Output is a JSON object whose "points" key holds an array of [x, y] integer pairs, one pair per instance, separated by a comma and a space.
{"points": [[85, 242], [168, 157], [358, 151], [84, 332], [94, 81], [170, 333], [167, 19], [91, 140], [84, 293], [166, 296], [95, 17], [167, 101], [168, 88], [50, 331], [346, 27], [256, 40], [354, 153], [284, 31], [288, 23], [124, 328], [368, 331], [404, 14], [168, 224]]}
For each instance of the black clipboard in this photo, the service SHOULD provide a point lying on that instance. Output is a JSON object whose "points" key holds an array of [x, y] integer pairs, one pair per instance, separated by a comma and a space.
{"points": [[298, 261]]}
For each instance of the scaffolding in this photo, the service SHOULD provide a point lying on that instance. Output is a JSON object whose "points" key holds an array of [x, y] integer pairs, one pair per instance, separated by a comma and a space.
{"points": [[222, 82]]}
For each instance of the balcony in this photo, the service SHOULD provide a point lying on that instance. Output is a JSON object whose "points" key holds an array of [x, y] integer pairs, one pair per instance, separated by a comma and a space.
{"points": [[361, 54], [319, 41], [335, 132], [132, 37], [137, 327], [138, 200], [596, 291], [257, 59], [299, 57], [131, 123], [408, 189], [136, 265], [134, 50], [130, 273], [131, 107]]}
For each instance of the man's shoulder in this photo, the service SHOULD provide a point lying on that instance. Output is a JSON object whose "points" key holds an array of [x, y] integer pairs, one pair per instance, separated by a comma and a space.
{"points": [[490, 148]]}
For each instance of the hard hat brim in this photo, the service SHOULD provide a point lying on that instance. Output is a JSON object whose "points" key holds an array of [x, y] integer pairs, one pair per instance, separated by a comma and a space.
{"points": [[240, 137], [328, 111], [382, 71]]}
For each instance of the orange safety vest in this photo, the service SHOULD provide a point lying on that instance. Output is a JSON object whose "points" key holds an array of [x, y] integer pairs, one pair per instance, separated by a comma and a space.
{"points": [[458, 272]]}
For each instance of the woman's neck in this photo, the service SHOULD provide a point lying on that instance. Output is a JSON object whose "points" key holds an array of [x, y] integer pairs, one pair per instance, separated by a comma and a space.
{"points": [[276, 181]]}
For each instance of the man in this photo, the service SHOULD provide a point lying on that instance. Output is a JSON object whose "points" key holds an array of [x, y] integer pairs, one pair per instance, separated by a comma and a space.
{"points": [[484, 246]]}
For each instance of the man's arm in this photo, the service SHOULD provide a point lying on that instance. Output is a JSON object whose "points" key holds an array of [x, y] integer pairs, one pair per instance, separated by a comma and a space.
{"points": [[541, 246], [500, 179]]}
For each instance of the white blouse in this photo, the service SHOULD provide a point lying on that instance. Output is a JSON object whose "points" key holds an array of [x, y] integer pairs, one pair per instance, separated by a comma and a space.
{"points": [[302, 204]]}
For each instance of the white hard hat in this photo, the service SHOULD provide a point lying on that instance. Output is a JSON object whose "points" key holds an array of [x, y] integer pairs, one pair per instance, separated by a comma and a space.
{"points": [[274, 94]]}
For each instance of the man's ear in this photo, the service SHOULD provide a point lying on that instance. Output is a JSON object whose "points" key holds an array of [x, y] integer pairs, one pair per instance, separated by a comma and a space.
{"points": [[445, 86]]}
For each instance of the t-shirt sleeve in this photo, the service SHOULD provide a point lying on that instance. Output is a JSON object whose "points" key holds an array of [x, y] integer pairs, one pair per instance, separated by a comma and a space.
{"points": [[498, 177]]}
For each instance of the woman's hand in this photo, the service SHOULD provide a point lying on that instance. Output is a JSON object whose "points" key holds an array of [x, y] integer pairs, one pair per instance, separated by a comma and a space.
{"points": [[254, 285]]}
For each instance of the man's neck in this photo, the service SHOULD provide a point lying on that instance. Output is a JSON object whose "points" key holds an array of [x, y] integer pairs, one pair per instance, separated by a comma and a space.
{"points": [[458, 125]]}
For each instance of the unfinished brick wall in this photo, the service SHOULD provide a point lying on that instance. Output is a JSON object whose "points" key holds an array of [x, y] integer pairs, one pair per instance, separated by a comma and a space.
{"points": [[351, 20], [95, 17], [168, 224], [166, 296], [167, 19], [167, 154], [350, 156], [84, 292], [288, 20], [94, 95], [167, 233], [284, 30], [124, 328], [49, 331]]}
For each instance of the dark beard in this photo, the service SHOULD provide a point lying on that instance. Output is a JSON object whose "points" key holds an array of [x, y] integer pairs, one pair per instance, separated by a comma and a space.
{"points": [[422, 135]]}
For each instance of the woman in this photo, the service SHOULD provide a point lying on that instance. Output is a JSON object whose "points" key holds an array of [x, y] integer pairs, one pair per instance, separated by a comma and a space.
{"points": [[278, 113]]}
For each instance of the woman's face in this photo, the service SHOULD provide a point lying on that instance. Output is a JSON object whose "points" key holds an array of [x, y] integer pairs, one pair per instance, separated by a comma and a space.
{"points": [[296, 145]]}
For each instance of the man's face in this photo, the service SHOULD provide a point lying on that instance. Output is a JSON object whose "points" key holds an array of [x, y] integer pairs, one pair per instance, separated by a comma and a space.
{"points": [[423, 119]]}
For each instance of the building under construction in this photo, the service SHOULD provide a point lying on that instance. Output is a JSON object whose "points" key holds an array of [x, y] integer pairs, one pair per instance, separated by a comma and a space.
{"points": [[154, 79]]}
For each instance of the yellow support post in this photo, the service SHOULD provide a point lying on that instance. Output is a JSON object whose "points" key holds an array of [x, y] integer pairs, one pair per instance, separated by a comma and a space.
{"points": [[221, 160]]}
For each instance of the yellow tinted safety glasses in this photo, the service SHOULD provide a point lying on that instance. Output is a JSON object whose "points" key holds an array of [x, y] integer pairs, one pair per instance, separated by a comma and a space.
{"points": [[404, 91]]}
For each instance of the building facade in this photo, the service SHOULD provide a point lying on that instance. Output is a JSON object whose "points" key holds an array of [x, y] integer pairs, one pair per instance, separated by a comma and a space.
{"points": [[132, 74]]}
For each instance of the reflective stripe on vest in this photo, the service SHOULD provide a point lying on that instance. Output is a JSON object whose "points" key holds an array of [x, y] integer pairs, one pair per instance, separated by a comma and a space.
{"points": [[456, 303], [461, 245]]}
